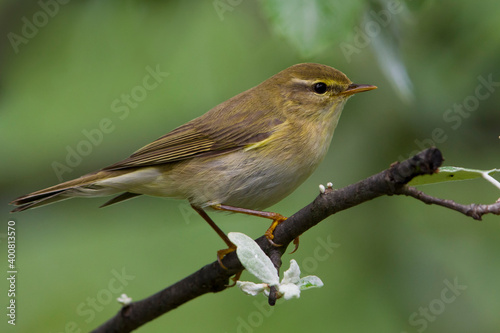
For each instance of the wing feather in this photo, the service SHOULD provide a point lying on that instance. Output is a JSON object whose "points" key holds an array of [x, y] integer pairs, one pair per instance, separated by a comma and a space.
{"points": [[202, 137]]}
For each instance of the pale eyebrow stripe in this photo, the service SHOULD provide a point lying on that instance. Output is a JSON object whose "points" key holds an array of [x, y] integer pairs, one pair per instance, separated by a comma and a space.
{"points": [[301, 81], [308, 82]]}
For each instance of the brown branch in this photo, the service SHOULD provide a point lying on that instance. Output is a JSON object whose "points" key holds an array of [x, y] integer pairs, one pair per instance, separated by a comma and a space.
{"points": [[473, 210], [212, 278]]}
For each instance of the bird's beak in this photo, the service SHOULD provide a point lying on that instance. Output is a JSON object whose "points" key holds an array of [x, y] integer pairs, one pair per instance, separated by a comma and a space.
{"points": [[357, 88]]}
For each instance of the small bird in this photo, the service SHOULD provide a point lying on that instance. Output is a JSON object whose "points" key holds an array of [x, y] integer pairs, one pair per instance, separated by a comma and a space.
{"points": [[244, 155]]}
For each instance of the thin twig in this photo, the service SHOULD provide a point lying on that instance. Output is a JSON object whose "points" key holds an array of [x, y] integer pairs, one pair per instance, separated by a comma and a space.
{"points": [[473, 210]]}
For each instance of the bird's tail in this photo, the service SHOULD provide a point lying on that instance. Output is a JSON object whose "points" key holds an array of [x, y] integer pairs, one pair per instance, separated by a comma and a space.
{"points": [[85, 186]]}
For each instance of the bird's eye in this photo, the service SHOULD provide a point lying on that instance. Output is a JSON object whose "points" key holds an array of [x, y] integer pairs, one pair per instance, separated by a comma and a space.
{"points": [[320, 88]]}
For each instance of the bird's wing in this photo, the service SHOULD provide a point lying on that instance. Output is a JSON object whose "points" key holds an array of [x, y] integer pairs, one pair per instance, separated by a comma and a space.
{"points": [[202, 137]]}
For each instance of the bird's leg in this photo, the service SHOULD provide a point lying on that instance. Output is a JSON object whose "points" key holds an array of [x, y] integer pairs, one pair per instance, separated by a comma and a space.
{"points": [[231, 246], [277, 219]]}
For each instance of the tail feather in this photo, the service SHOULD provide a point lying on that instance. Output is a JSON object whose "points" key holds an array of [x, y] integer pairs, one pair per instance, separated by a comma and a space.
{"points": [[30, 198], [81, 187], [36, 201], [121, 197]]}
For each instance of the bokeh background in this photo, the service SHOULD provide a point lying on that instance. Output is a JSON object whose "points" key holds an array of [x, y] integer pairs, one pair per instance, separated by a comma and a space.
{"points": [[389, 265]]}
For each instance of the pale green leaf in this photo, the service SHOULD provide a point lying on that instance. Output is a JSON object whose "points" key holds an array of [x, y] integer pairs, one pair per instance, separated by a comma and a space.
{"points": [[292, 275], [450, 173], [250, 288], [289, 290], [254, 259], [310, 281]]}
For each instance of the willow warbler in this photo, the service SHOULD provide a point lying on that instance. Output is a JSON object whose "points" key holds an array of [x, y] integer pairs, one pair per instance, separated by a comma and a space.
{"points": [[243, 155]]}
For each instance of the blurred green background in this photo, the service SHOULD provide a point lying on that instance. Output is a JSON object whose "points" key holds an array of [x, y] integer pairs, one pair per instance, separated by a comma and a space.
{"points": [[387, 265]]}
